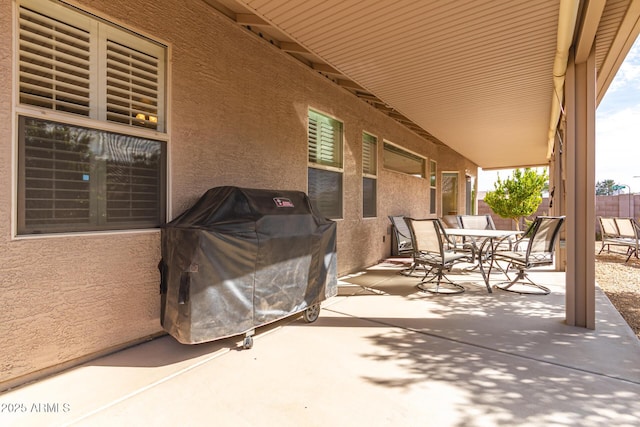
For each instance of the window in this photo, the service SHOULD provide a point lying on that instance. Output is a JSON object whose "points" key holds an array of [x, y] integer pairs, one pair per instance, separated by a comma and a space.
{"points": [[73, 63], [369, 175], [400, 160], [449, 193], [72, 175], [432, 187], [78, 179], [325, 164]]}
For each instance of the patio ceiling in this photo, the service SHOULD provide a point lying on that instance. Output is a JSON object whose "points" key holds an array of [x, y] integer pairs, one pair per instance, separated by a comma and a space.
{"points": [[476, 75]]}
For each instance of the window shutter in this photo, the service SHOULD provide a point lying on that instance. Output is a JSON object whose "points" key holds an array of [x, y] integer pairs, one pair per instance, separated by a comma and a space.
{"points": [[325, 192], [133, 179], [325, 143], [54, 64], [132, 86], [369, 197], [57, 167], [313, 139], [369, 163]]}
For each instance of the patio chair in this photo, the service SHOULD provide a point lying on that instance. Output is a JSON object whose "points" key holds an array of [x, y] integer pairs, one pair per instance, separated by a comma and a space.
{"points": [[480, 222], [623, 232], [451, 221], [609, 233], [403, 244], [539, 242], [477, 222], [433, 250], [628, 232]]}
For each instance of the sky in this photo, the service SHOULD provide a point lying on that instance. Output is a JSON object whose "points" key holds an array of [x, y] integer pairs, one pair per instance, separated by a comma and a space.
{"points": [[617, 130]]}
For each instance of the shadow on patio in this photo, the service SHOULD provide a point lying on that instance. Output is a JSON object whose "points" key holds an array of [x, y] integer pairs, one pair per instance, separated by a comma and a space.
{"points": [[382, 353]]}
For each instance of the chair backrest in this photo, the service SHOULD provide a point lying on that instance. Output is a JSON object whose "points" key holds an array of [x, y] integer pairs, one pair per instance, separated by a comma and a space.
{"points": [[476, 222], [608, 227], [626, 227], [451, 221], [543, 234], [427, 235], [404, 242]]}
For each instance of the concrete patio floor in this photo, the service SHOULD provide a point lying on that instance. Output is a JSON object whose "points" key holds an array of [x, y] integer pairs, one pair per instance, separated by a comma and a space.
{"points": [[382, 353]]}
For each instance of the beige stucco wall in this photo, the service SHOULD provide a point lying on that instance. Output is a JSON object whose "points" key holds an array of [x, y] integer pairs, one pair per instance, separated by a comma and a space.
{"points": [[237, 109]]}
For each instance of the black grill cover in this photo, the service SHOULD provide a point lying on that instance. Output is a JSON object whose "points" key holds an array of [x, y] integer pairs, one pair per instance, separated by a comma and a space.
{"points": [[241, 258]]}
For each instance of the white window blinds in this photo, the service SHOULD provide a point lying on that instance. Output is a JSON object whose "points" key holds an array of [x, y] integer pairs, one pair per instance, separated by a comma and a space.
{"points": [[132, 86], [369, 154], [72, 63], [54, 64], [325, 140]]}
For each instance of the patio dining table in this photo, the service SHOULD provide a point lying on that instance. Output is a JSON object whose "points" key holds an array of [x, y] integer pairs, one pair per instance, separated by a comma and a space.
{"points": [[485, 241]]}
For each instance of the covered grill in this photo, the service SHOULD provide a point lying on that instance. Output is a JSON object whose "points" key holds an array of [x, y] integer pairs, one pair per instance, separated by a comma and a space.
{"points": [[242, 258]]}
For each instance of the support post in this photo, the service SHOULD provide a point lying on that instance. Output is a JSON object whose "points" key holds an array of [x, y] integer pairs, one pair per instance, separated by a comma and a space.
{"points": [[580, 191]]}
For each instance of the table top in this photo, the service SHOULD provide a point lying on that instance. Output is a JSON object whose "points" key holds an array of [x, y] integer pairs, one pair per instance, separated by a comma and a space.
{"points": [[472, 232]]}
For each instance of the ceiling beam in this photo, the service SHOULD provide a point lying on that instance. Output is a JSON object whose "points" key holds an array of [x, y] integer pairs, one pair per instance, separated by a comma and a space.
{"points": [[324, 68], [589, 27], [250, 19], [370, 98], [292, 47], [349, 84]]}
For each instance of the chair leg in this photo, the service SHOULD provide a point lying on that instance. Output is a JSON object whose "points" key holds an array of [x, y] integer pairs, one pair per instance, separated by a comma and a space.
{"points": [[502, 270], [601, 248], [631, 251], [411, 271], [524, 281], [440, 279]]}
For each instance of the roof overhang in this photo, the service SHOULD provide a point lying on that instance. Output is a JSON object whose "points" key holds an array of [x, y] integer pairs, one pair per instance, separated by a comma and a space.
{"points": [[483, 77]]}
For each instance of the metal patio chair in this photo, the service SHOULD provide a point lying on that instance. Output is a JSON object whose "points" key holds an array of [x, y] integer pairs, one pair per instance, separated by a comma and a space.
{"points": [[539, 242], [403, 241], [477, 222], [481, 222], [622, 232], [628, 232], [433, 250]]}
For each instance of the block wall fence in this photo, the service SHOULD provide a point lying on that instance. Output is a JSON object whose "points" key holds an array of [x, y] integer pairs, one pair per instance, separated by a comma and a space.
{"points": [[623, 205]]}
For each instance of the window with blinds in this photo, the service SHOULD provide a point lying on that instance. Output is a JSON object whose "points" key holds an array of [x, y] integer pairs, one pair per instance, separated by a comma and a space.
{"points": [[400, 160], [132, 86], [325, 164], [325, 140], [325, 192], [369, 175], [55, 64], [72, 177], [80, 179], [73, 63]]}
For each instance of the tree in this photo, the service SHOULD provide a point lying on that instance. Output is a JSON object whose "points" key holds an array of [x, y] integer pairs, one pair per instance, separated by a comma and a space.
{"points": [[518, 196], [605, 187]]}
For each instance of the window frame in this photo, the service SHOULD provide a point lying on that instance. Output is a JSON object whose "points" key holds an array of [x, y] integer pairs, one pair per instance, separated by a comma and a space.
{"points": [[433, 187], [97, 119], [106, 180], [323, 167], [456, 192], [397, 150], [366, 175]]}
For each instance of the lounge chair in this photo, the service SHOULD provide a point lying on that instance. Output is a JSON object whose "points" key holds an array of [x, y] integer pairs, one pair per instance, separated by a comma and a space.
{"points": [[622, 232]]}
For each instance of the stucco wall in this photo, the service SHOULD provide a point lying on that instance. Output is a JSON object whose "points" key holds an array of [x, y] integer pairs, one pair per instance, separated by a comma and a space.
{"points": [[237, 109]]}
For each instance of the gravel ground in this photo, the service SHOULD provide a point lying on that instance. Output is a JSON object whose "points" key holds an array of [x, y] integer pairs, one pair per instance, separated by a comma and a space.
{"points": [[620, 281]]}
